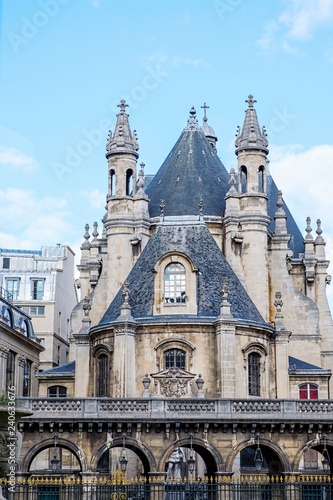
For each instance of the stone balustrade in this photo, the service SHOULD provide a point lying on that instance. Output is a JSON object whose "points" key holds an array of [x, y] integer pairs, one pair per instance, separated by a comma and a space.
{"points": [[145, 409]]}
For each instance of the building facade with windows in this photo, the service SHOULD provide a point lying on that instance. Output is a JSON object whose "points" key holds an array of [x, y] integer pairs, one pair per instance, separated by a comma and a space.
{"points": [[41, 283], [19, 350], [204, 324]]}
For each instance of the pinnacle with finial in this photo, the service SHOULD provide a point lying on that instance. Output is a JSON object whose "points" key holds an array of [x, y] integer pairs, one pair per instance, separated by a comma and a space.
{"points": [[95, 232], [225, 289], [122, 106], [126, 293], [308, 229], [201, 206], [162, 207], [86, 236], [250, 101], [319, 239], [141, 182]]}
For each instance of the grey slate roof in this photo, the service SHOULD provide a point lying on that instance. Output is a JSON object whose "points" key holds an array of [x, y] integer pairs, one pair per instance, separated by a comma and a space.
{"points": [[197, 243], [296, 243], [297, 364], [192, 170], [66, 370]]}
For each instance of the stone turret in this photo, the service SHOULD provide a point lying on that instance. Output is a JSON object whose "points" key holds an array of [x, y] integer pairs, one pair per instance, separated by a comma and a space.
{"points": [[127, 220], [246, 218]]}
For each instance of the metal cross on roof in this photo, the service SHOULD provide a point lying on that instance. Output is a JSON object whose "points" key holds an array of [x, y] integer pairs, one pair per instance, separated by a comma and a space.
{"points": [[204, 108]]}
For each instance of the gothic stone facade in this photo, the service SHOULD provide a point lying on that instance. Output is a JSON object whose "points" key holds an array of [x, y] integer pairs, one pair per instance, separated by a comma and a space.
{"points": [[204, 323]]}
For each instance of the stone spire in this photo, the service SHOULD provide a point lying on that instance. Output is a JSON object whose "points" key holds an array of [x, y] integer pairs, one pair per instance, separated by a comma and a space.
{"points": [[225, 304], [251, 137], [122, 141], [141, 183], [86, 236], [207, 130]]}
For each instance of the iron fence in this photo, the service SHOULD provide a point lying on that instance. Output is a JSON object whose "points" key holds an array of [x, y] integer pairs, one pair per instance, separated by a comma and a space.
{"points": [[248, 488]]}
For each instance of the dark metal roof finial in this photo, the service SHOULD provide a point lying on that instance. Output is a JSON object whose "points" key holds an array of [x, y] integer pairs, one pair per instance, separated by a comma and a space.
{"points": [[204, 108]]}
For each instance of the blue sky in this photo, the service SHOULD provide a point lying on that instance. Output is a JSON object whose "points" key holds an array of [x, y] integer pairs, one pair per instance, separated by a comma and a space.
{"points": [[65, 64]]}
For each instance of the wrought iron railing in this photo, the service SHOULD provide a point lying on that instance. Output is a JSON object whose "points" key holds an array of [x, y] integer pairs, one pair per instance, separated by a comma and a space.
{"points": [[160, 488], [4, 294]]}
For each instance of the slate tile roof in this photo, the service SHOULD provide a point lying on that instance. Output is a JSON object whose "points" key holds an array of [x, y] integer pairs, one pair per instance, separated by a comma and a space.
{"points": [[197, 243], [66, 370]]}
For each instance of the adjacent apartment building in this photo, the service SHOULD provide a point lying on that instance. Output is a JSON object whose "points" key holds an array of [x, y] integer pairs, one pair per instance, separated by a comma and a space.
{"points": [[41, 283]]}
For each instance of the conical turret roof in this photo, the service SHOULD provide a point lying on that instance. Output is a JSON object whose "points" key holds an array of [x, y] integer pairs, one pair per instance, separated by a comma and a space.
{"points": [[123, 140], [251, 137], [192, 171]]}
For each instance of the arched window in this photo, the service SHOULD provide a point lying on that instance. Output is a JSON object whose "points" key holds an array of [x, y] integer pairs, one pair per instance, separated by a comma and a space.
{"points": [[261, 179], [7, 315], [26, 378], [174, 358], [112, 182], [57, 391], [129, 182], [308, 391], [244, 179], [102, 376], [174, 284], [254, 373]]}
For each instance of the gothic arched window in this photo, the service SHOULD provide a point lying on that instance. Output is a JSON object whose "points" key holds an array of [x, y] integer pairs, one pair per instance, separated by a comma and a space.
{"points": [[112, 182], [243, 179], [26, 378], [174, 284], [102, 376], [129, 182], [308, 391], [254, 373], [174, 358], [261, 179]]}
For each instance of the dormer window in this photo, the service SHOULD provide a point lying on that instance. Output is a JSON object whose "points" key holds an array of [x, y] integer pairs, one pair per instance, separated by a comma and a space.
{"points": [[174, 284]]}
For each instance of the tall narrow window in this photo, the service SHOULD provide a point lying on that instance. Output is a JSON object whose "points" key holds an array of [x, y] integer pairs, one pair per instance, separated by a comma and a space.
{"points": [[261, 179], [254, 374], [10, 369], [244, 179], [5, 263], [174, 284], [37, 289], [13, 287], [129, 182], [174, 358], [26, 378], [308, 391], [102, 375], [112, 182]]}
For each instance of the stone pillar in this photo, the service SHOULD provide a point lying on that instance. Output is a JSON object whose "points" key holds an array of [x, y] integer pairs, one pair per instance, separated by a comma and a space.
{"points": [[281, 351], [82, 341]]}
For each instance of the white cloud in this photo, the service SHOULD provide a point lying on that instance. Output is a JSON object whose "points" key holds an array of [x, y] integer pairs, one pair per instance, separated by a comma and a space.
{"points": [[95, 3], [296, 23], [36, 221], [303, 17], [18, 161], [306, 179], [96, 198]]}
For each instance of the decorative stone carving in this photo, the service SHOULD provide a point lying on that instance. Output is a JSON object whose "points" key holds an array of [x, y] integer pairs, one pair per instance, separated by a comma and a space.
{"points": [[173, 383]]}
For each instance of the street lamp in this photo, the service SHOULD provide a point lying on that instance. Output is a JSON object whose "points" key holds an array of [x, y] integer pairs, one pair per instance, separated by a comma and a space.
{"points": [[326, 460], [258, 458], [191, 460], [55, 461], [123, 460]]}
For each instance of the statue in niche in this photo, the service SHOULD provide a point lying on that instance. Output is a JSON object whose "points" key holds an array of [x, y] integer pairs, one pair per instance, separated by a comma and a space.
{"points": [[175, 462]]}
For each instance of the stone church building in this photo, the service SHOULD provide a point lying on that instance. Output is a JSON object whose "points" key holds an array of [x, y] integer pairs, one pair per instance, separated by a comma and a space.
{"points": [[204, 327]]}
